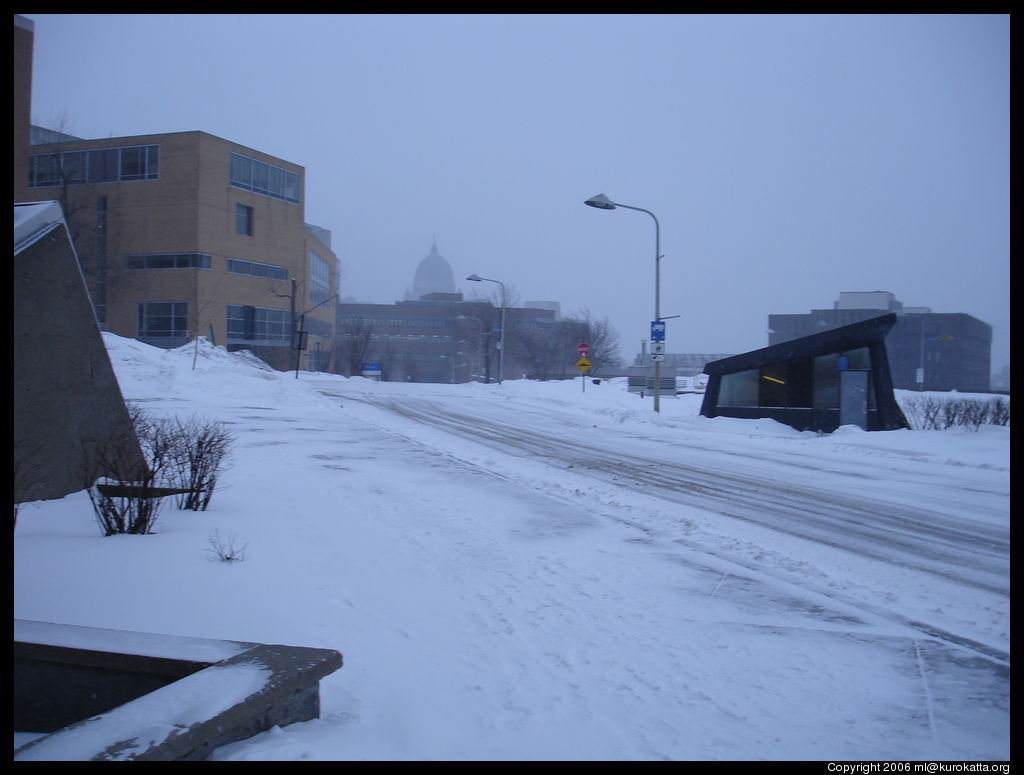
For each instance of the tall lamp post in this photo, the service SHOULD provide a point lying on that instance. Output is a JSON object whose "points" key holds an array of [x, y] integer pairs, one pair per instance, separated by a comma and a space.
{"points": [[601, 202], [501, 343]]}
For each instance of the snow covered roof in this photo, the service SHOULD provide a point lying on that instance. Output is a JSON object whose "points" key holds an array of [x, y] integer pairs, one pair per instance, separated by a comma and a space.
{"points": [[33, 221]]}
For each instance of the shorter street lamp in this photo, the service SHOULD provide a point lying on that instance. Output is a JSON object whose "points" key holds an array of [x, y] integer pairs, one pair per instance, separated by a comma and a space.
{"points": [[300, 335], [501, 343]]}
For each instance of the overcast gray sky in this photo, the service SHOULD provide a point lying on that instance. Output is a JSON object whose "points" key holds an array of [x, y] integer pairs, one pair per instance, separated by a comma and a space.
{"points": [[787, 158]]}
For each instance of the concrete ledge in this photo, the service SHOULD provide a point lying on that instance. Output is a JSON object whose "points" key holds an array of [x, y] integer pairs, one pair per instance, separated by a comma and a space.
{"points": [[161, 698]]}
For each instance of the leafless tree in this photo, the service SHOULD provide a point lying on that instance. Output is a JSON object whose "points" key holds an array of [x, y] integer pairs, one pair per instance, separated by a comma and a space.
{"points": [[538, 350], [599, 334], [353, 342]]}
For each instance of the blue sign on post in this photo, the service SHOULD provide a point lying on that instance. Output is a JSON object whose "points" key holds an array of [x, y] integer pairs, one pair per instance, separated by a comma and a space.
{"points": [[657, 330]]}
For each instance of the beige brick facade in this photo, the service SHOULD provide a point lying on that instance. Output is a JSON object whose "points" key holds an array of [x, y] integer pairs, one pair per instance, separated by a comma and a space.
{"points": [[124, 229], [166, 255]]}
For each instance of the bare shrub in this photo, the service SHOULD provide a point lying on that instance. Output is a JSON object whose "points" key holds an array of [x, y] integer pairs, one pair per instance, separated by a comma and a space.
{"points": [[200, 453], [225, 551], [930, 412], [29, 464], [188, 456], [126, 499], [999, 411]]}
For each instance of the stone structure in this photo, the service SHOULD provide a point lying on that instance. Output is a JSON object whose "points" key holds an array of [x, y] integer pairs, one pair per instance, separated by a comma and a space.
{"points": [[112, 695], [67, 403]]}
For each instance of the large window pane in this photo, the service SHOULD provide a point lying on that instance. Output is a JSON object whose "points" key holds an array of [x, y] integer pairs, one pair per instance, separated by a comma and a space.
{"points": [[826, 381], [169, 261], [276, 185], [260, 178], [263, 178], [319, 279], [163, 320], [257, 269], [241, 171], [76, 165], [258, 325], [152, 162], [44, 170], [104, 165], [739, 389], [291, 187], [133, 163]]}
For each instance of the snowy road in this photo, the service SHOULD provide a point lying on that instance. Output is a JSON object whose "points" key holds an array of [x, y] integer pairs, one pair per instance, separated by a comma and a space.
{"points": [[956, 537]]}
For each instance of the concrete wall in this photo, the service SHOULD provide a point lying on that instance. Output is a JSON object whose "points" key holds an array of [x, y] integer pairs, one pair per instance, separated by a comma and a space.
{"points": [[106, 695], [66, 398]]}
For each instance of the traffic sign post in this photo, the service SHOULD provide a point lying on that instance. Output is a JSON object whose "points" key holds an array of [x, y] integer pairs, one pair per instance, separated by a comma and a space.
{"points": [[584, 366]]}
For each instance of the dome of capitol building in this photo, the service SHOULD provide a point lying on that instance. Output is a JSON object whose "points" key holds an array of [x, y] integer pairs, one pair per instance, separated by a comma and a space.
{"points": [[433, 275]]}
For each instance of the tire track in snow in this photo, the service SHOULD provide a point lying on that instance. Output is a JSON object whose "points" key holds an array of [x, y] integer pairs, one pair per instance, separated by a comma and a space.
{"points": [[916, 538]]}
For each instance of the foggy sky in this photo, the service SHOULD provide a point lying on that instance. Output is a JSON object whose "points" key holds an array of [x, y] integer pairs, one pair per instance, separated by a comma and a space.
{"points": [[787, 158]]}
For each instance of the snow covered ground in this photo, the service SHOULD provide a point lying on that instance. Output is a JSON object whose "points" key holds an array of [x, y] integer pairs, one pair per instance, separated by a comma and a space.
{"points": [[534, 571]]}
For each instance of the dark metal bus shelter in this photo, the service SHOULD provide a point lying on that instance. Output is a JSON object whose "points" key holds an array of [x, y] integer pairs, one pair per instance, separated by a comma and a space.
{"points": [[819, 382]]}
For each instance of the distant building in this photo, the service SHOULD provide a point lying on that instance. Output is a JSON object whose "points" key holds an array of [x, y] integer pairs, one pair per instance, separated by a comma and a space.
{"points": [[553, 306], [186, 234], [1001, 379], [439, 336], [952, 351], [681, 364]]}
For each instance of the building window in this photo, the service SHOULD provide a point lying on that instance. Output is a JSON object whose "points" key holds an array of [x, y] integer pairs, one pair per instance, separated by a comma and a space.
{"points": [[163, 320], [44, 170], [103, 165], [741, 388], [243, 220], [259, 325], [319, 279], [169, 261], [319, 328], [257, 269], [263, 178], [75, 166]]}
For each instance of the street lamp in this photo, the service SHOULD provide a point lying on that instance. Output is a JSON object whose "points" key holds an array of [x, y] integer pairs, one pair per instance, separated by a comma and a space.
{"points": [[501, 343], [601, 202], [299, 335]]}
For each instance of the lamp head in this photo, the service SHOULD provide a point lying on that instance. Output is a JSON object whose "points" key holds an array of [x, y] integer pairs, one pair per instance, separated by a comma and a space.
{"points": [[475, 278], [601, 202]]}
